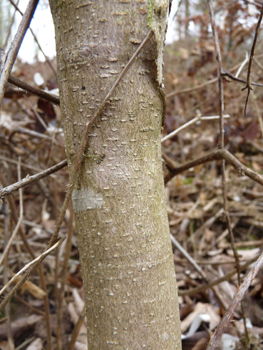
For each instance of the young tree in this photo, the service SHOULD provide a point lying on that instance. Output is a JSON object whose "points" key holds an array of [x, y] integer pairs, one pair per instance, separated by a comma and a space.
{"points": [[118, 199]]}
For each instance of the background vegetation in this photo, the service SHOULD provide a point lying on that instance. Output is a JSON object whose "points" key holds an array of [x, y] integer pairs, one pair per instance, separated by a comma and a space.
{"points": [[31, 139]]}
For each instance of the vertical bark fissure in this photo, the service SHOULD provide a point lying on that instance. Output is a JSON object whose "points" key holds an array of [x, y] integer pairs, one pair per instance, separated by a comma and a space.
{"points": [[119, 205]]}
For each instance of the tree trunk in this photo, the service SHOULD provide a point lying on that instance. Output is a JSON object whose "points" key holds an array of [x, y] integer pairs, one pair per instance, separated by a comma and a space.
{"points": [[119, 204]]}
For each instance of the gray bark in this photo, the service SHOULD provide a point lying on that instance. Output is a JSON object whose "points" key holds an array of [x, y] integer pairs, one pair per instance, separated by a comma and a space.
{"points": [[119, 204]]}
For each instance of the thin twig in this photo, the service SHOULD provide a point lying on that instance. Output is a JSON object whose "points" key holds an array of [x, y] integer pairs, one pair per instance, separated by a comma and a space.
{"points": [[5, 280], [175, 132], [252, 53], [240, 294], [15, 45], [224, 73], [258, 63], [241, 66], [188, 257], [27, 270], [33, 90], [63, 278], [12, 205], [24, 165], [219, 68], [226, 277], [223, 165], [197, 87], [233, 77], [36, 40], [32, 179], [255, 3], [216, 155], [176, 13], [76, 330], [35, 134], [6, 251], [207, 224], [196, 267], [198, 118], [37, 115], [10, 28], [258, 113], [29, 306]]}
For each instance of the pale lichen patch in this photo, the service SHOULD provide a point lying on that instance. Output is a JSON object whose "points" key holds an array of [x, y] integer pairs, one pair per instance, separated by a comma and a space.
{"points": [[86, 199], [157, 18]]}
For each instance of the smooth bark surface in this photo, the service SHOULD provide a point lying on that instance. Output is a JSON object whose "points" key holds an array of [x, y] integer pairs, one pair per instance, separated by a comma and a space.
{"points": [[119, 204]]}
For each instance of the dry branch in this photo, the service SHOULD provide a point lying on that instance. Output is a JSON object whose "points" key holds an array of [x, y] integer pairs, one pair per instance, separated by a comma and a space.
{"points": [[215, 155], [252, 53], [15, 45], [31, 179], [28, 269], [229, 314]]}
